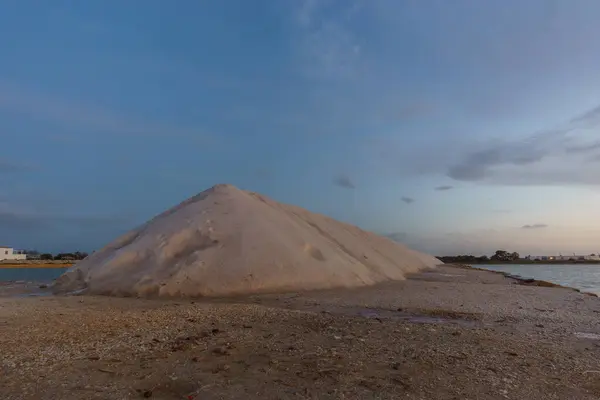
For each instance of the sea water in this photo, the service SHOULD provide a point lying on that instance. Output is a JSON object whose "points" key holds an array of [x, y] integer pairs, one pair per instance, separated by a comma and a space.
{"points": [[43, 275], [585, 277]]}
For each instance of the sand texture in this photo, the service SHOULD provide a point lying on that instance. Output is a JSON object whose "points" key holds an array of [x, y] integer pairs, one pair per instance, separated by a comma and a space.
{"points": [[226, 241], [447, 334]]}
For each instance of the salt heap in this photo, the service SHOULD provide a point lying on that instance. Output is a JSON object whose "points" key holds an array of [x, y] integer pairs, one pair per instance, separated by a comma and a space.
{"points": [[226, 241]]}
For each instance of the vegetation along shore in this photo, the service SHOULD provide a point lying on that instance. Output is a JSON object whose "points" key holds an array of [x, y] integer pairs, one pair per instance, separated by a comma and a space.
{"points": [[506, 257]]}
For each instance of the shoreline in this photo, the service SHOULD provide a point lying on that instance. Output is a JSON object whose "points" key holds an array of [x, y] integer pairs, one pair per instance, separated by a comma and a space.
{"points": [[523, 280], [473, 332], [36, 265]]}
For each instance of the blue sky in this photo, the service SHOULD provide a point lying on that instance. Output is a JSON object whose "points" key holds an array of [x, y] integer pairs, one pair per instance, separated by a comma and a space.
{"points": [[457, 128]]}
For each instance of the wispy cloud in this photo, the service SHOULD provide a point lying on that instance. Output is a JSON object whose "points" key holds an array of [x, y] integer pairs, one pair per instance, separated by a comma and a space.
{"points": [[444, 188], [328, 48], [343, 181], [555, 156], [595, 158], [408, 200], [37, 105], [534, 226], [583, 148]]}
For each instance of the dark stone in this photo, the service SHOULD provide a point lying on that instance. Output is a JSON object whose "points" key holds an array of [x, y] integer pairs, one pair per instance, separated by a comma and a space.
{"points": [[221, 351]]}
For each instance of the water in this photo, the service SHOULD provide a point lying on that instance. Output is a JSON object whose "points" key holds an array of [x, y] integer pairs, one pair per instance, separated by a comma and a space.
{"points": [[585, 277], [31, 274]]}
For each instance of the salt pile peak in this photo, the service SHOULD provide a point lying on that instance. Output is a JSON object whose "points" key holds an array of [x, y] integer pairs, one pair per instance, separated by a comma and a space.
{"points": [[226, 241]]}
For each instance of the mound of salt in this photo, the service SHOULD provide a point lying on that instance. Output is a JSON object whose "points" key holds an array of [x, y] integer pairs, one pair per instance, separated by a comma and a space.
{"points": [[226, 241]]}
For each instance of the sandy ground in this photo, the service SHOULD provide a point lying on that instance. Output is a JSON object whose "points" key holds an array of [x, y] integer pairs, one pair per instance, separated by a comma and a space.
{"points": [[446, 334]]}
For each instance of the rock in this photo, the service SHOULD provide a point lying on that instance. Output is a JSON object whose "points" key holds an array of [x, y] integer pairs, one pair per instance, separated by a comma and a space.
{"points": [[221, 351], [221, 368]]}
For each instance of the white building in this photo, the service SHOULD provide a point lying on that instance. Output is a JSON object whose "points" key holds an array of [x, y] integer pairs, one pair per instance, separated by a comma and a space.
{"points": [[8, 253], [568, 257]]}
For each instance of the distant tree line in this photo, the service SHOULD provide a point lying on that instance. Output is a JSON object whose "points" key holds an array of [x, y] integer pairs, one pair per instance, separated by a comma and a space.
{"points": [[501, 256], [34, 254], [505, 257]]}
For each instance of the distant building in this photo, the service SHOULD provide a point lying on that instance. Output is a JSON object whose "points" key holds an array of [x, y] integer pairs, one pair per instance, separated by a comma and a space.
{"points": [[571, 257], [8, 253]]}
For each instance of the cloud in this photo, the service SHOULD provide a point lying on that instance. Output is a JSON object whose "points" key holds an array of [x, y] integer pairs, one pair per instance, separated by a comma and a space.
{"points": [[534, 226], [327, 48], [343, 181], [585, 148], [595, 158], [477, 165], [408, 200], [555, 156], [444, 188], [37, 105]]}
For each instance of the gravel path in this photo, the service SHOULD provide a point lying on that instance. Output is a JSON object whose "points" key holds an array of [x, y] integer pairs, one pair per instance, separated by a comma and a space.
{"points": [[446, 334]]}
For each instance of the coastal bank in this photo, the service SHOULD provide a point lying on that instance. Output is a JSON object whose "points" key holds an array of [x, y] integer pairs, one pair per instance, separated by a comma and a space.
{"points": [[448, 333], [36, 264]]}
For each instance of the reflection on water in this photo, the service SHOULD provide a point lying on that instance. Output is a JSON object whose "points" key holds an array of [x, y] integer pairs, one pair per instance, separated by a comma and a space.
{"points": [[585, 277]]}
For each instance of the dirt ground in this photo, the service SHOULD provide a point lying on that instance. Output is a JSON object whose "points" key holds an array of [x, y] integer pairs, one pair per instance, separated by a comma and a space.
{"points": [[450, 333]]}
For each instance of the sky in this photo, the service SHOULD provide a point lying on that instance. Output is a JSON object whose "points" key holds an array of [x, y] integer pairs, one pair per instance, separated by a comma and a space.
{"points": [[456, 127]]}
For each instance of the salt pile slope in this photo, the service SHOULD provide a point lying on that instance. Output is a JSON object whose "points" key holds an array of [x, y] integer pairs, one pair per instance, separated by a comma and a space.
{"points": [[226, 241]]}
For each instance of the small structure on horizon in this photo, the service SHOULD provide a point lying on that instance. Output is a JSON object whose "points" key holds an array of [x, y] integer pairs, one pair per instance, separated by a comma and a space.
{"points": [[572, 257], [8, 253]]}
